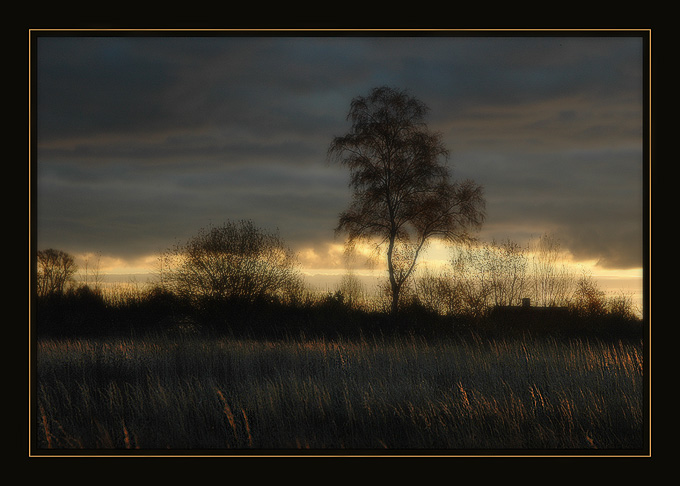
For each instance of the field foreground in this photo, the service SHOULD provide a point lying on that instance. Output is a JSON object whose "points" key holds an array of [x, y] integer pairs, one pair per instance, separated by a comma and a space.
{"points": [[401, 394]]}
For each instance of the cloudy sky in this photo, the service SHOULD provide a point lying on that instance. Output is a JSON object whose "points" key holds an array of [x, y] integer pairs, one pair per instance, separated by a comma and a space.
{"points": [[144, 140]]}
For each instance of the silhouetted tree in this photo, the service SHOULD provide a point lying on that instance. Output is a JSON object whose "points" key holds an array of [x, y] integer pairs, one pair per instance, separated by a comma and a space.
{"points": [[589, 300], [351, 288], [55, 268], [552, 279], [235, 260], [402, 195], [440, 292], [491, 274]]}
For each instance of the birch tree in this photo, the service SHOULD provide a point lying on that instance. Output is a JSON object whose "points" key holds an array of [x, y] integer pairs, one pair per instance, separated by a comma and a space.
{"points": [[402, 193]]}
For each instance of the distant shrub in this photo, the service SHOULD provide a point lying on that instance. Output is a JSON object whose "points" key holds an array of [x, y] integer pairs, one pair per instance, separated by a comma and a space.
{"points": [[589, 300], [621, 306], [235, 261]]}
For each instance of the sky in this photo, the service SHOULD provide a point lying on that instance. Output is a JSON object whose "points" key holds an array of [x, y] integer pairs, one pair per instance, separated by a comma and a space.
{"points": [[144, 140]]}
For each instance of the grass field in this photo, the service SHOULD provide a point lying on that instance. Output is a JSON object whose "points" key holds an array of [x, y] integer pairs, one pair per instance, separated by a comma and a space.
{"points": [[222, 395]]}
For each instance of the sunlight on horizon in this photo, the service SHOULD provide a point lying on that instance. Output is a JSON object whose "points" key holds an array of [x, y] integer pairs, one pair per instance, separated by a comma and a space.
{"points": [[332, 261], [325, 268]]}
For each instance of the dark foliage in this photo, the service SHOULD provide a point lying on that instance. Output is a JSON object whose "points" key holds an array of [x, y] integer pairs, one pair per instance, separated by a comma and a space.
{"points": [[83, 312]]}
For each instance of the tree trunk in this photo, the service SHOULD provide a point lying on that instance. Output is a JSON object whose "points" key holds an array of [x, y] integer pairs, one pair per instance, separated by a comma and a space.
{"points": [[394, 286], [395, 299]]}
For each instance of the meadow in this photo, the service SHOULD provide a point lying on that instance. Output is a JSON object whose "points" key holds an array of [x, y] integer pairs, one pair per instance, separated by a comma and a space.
{"points": [[374, 395]]}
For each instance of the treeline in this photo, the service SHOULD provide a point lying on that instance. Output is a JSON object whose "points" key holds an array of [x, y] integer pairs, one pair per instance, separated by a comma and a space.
{"points": [[238, 279], [481, 277]]}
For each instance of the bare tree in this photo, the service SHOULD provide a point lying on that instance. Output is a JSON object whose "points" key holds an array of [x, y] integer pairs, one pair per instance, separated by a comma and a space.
{"points": [[589, 300], [55, 268], [551, 278], [509, 262], [473, 276], [490, 274], [94, 272], [235, 260], [439, 292], [402, 195], [351, 288]]}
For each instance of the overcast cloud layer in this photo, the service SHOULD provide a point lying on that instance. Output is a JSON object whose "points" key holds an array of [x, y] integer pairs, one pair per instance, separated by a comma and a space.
{"points": [[142, 141]]}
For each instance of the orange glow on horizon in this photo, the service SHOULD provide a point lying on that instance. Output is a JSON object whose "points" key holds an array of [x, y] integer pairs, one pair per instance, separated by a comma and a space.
{"points": [[330, 260]]}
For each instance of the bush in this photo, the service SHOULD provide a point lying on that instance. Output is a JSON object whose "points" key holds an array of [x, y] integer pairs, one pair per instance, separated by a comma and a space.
{"points": [[235, 261]]}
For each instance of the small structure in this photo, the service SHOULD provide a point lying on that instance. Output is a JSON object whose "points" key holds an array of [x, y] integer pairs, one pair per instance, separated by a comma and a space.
{"points": [[525, 316]]}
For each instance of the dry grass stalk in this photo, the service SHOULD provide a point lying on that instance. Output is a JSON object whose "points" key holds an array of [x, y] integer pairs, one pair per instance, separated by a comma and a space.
{"points": [[46, 427]]}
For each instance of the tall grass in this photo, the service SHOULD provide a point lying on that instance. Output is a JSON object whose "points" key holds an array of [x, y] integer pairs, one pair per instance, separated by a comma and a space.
{"points": [[369, 394]]}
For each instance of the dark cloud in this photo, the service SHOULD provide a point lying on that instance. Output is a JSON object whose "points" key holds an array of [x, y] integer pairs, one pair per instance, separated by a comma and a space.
{"points": [[143, 140]]}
